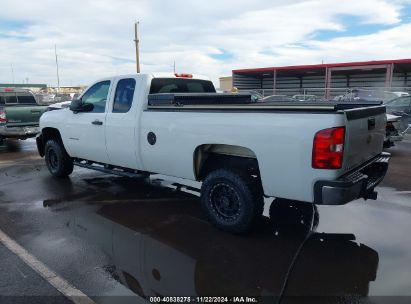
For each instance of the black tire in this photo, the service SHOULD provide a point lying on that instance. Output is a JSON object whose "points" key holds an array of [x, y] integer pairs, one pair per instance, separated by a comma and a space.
{"points": [[58, 161], [232, 201]]}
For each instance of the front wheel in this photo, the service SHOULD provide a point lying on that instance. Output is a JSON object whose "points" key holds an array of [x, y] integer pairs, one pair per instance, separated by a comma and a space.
{"points": [[233, 202], [58, 161]]}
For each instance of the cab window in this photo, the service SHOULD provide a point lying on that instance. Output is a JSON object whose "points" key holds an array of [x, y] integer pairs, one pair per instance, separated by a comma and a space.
{"points": [[97, 95], [26, 98], [10, 98], [123, 98], [181, 85]]}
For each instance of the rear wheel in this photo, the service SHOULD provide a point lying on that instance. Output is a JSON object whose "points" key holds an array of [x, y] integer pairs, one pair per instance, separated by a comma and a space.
{"points": [[232, 201], [58, 161]]}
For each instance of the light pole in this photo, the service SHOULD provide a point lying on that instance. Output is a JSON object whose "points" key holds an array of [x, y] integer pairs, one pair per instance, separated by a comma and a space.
{"points": [[57, 67], [137, 42], [12, 73]]}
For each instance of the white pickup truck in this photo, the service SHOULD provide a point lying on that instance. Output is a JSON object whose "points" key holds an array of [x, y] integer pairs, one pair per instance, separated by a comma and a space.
{"points": [[176, 125]]}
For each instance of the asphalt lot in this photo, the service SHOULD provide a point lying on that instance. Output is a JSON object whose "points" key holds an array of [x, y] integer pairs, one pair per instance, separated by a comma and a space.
{"points": [[121, 241]]}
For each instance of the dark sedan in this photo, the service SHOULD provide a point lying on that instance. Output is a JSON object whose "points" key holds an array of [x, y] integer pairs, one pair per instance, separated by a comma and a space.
{"points": [[401, 106]]}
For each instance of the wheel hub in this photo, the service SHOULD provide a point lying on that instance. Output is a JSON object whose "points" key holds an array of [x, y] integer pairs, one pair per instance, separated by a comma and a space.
{"points": [[225, 201]]}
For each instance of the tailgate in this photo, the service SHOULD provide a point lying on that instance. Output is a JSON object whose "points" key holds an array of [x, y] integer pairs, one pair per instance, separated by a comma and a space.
{"points": [[24, 115], [365, 132]]}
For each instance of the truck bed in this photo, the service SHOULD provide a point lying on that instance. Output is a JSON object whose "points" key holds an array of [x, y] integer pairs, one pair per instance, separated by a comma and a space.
{"points": [[243, 102]]}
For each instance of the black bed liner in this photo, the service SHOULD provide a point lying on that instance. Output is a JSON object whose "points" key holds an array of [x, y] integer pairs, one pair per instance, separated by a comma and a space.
{"points": [[243, 101]]}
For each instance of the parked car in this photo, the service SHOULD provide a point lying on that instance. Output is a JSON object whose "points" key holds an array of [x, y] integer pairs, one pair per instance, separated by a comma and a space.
{"points": [[44, 98], [392, 134], [255, 96], [60, 97], [240, 150], [277, 98], [401, 106], [59, 105], [305, 97], [19, 114], [361, 95]]}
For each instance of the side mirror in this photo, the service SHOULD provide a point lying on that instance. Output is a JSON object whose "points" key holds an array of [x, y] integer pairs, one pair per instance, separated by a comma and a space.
{"points": [[87, 107], [77, 105]]}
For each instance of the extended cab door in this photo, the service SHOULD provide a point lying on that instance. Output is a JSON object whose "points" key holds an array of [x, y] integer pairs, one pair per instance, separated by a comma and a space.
{"points": [[121, 122], [85, 132]]}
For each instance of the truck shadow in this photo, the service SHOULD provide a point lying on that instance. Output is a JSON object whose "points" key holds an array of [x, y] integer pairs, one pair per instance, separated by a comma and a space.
{"points": [[159, 244]]}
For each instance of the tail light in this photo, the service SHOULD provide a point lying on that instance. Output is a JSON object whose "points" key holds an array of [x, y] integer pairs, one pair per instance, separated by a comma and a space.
{"points": [[328, 148], [184, 75], [3, 118]]}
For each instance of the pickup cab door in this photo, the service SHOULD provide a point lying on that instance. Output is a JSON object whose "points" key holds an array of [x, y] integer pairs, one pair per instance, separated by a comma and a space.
{"points": [[85, 131], [121, 122]]}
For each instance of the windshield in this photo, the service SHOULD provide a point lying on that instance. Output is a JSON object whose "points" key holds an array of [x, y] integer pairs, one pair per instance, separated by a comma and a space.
{"points": [[181, 85]]}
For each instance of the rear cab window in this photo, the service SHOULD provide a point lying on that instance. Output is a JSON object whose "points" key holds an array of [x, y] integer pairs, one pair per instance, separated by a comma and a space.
{"points": [[26, 98], [123, 97], [181, 85], [17, 98], [10, 98]]}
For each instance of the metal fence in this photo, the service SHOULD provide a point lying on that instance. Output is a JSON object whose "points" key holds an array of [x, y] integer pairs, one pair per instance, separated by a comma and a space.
{"points": [[377, 93]]}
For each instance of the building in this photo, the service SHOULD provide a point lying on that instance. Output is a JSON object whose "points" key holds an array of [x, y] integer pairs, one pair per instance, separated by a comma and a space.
{"points": [[226, 83], [326, 79]]}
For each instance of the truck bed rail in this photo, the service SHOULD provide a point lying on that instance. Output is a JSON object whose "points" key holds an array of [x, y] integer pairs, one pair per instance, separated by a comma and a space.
{"points": [[243, 102]]}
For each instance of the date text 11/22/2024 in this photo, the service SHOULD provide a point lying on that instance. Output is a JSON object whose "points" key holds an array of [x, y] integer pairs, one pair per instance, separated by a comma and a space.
{"points": [[239, 299]]}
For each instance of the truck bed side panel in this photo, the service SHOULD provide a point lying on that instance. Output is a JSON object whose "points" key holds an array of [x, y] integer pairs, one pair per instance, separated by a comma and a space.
{"points": [[282, 143]]}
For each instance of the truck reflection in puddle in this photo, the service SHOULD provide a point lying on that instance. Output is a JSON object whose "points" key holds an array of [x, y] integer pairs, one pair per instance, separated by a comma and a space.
{"points": [[164, 247]]}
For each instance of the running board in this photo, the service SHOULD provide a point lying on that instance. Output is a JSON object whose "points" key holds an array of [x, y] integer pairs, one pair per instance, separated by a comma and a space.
{"points": [[106, 169]]}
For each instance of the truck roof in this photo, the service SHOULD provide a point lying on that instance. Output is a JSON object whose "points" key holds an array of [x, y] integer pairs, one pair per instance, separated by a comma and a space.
{"points": [[14, 90]]}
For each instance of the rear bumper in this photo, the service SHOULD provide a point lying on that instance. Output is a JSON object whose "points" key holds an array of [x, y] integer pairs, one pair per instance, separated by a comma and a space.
{"points": [[19, 132], [357, 184]]}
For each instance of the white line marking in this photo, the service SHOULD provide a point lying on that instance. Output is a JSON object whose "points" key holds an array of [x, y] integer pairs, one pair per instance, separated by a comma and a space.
{"points": [[68, 290]]}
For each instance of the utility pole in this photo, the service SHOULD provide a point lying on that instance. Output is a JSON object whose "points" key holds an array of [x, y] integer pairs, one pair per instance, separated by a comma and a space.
{"points": [[174, 66], [12, 73], [57, 67], [137, 41]]}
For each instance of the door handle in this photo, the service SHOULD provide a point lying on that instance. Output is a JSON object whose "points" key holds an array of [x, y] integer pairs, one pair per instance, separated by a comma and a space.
{"points": [[97, 122]]}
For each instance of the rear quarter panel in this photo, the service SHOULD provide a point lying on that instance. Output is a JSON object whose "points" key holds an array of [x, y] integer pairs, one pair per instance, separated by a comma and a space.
{"points": [[282, 143]]}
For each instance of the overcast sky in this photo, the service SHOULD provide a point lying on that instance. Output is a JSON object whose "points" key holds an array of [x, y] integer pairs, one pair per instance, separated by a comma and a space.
{"points": [[95, 38]]}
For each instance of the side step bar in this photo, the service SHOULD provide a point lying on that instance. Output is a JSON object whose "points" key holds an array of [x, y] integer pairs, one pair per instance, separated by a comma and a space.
{"points": [[109, 169]]}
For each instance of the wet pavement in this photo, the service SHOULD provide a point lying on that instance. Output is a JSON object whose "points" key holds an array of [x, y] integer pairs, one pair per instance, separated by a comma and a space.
{"points": [[120, 240]]}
